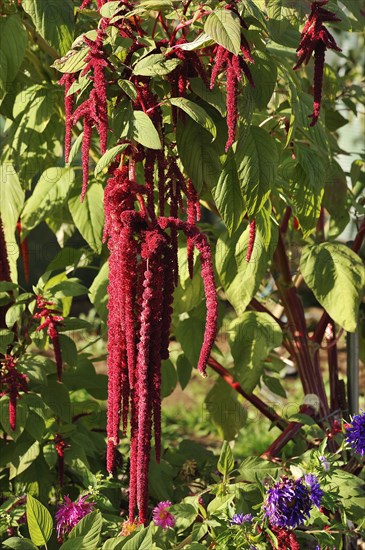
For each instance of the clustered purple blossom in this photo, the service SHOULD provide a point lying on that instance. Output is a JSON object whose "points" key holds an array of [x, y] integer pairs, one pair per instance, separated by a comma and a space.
{"points": [[288, 502], [239, 519], [161, 516], [70, 513], [355, 434]]}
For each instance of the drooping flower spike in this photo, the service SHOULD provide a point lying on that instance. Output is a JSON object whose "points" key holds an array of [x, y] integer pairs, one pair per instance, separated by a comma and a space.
{"points": [[12, 382], [51, 321], [235, 66], [316, 38]]}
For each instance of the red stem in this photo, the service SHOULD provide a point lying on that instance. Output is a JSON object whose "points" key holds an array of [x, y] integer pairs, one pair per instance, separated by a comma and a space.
{"points": [[253, 399], [289, 433]]}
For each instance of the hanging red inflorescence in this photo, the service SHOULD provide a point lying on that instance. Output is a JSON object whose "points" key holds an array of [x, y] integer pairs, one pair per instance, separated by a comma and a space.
{"points": [[316, 38], [12, 382], [235, 66], [51, 320], [145, 197], [251, 240]]}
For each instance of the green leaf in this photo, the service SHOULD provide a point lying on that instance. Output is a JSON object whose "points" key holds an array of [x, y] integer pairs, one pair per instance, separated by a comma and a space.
{"points": [[144, 131], [239, 278], [129, 88], [51, 192], [184, 368], [226, 462], [307, 187], [18, 543], [88, 215], [98, 292], [57, 397], [200, 162], [108, 157], [89, 528], [26, 458], [214, 97], [141, 540], [185, 515], [21, 416], [224, 410], [53, 20], [6, 338], [197, 113], [224, 27], [11, 202], [220, 504], [227, 195], [155, 65], [73, 62], [13, 45], [169, 378], [69, 287], [264, 74], [40, 523], [332, 270], [252, 336], [253, 468], [257, 161]]}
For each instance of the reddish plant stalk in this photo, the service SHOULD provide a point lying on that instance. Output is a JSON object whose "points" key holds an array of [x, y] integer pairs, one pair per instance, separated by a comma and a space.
{"points": [[287, 435], [251, 398], [51, 320]]}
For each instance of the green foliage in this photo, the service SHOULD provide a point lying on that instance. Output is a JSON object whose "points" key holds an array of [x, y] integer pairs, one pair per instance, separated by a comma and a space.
{"points": [[288, 177]]}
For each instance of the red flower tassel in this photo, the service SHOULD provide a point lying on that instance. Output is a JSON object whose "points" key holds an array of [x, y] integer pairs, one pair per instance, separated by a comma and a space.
{"points": [[316, 38], [251, 241], [12, 383]]}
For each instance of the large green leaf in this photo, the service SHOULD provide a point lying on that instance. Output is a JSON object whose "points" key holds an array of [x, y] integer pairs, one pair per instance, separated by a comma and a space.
{"points": [[252, 336], [239, 278], [257, 162], [13, 44], [264, 74], [195, 112], [225, 28], [226, 461], [201, 162], [99, 292], [51, 192], [18, 543], [227, 195], [336, 276], [54, 20], [307, 187], [109, 156], [88, 215], [144, 131], [27, 456], [155, 65], [40, 523], [253, 468], [224, 410], [89, 528], [11, 202]]}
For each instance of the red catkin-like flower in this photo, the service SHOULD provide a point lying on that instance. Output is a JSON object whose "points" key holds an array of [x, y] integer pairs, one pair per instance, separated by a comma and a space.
{"points": [[234, 66], [60, 445], [12, 382], [286, 539], [4, 261], [67, 80], [202, 245], [316, 38], [251, 240], [51, 320]]}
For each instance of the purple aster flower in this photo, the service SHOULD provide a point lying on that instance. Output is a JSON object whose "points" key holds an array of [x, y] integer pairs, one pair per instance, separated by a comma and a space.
{"points": [[288, 502], [355, 433], [316, 492], [70, 513], [239, 519], [161, 516]]}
